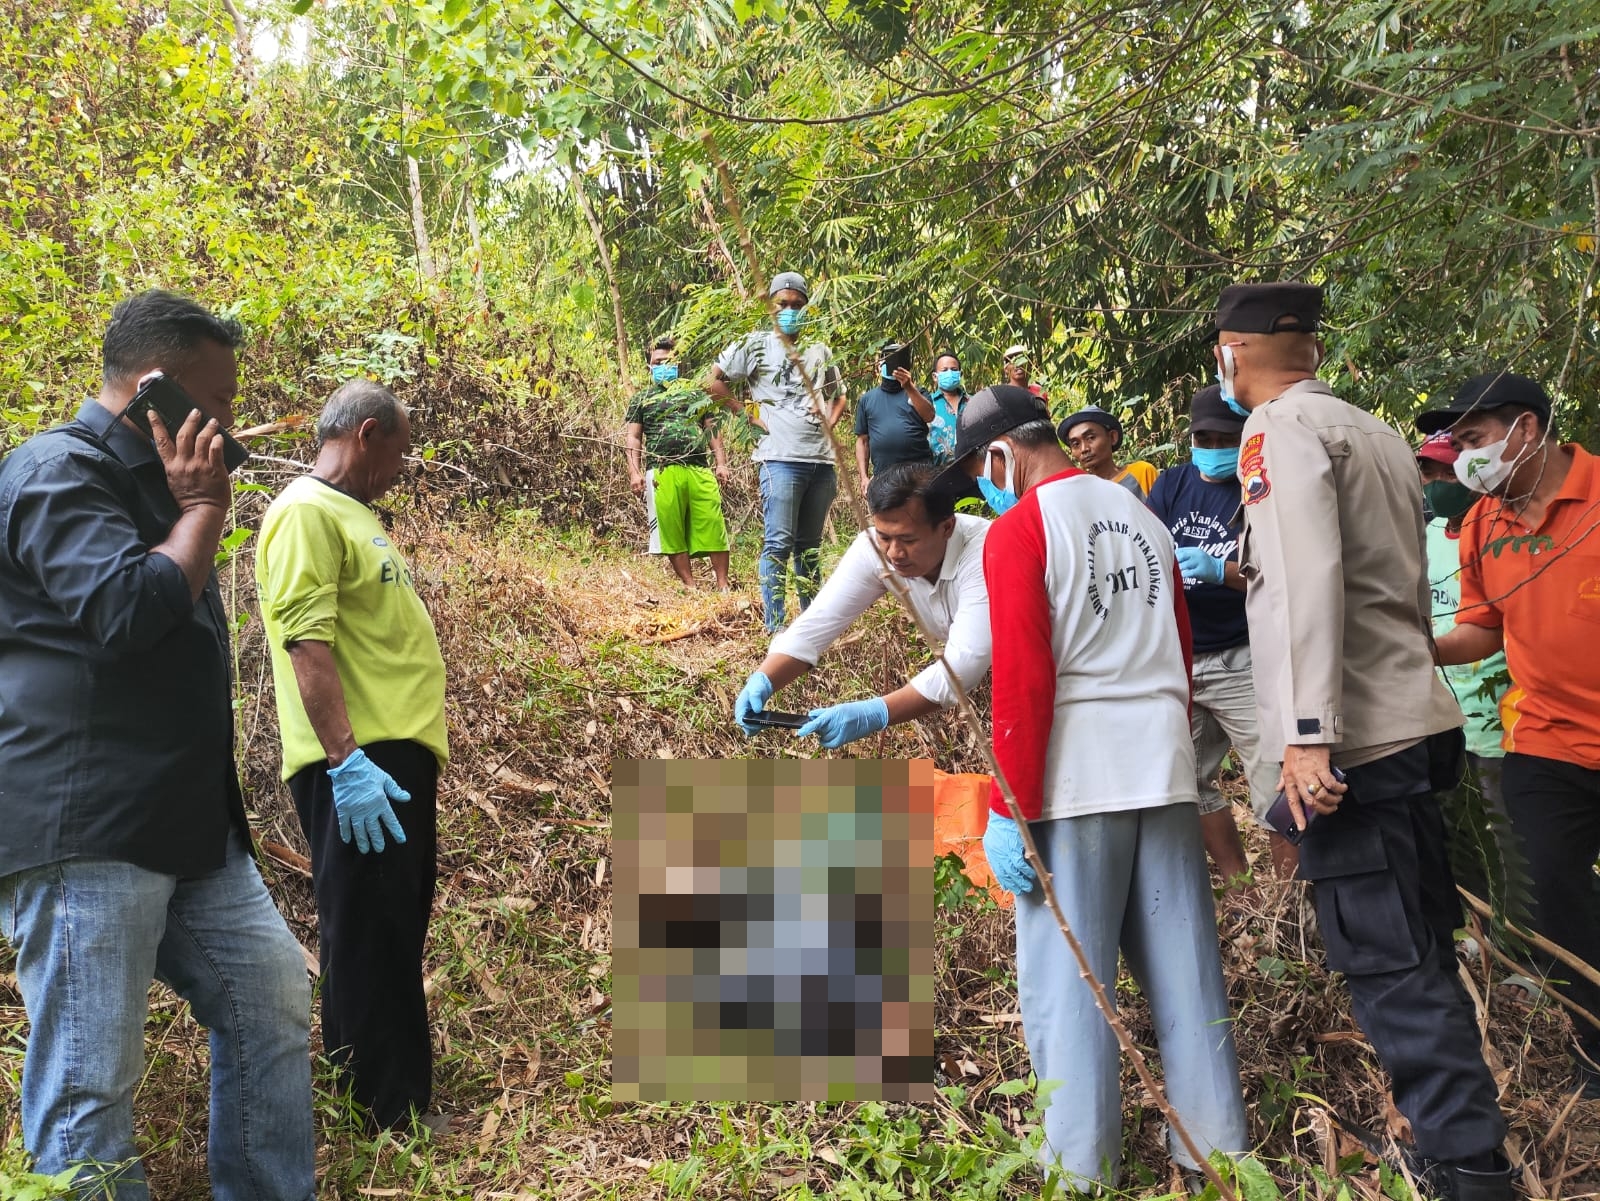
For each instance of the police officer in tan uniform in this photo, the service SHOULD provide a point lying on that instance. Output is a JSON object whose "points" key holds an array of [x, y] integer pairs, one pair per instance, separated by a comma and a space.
{"points": [[1339, 608]]}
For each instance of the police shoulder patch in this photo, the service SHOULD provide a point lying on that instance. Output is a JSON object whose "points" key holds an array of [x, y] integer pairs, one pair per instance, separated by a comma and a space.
{"points": [[1253, 481]]}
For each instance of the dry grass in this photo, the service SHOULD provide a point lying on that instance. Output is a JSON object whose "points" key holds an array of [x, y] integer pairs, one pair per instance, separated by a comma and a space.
{"points": [[567, 652]]}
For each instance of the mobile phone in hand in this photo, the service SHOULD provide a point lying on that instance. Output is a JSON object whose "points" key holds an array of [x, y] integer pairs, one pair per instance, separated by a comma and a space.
{"points": [[159, 392], [1281, 818], [897, 358], [771, 719]]}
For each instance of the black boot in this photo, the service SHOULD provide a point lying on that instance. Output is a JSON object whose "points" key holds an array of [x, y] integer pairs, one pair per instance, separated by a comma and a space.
{"points": [[1434, 1180], [1491, 1185]]}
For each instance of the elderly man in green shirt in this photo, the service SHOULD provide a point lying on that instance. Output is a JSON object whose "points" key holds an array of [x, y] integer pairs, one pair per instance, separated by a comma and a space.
{"points": [[360, 689]]}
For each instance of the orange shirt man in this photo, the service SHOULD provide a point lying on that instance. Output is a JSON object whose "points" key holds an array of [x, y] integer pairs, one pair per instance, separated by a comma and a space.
{"points": [[1530, 583], [1538, 583]]}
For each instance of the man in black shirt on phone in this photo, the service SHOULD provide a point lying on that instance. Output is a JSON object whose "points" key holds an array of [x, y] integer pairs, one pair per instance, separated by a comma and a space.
{"points": [[124, 851]]}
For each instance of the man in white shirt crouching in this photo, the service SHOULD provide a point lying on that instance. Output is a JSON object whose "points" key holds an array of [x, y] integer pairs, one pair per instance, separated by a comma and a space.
{"points": [[939, 556]]}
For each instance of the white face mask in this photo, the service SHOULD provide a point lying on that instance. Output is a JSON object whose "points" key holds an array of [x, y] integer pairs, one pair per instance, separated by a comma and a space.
{"points": [[1484, 470], [1003, 449]]}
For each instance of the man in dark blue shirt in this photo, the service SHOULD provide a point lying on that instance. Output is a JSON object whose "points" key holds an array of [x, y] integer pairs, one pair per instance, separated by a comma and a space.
{"points": [[1198, 501], [891, 420], [124, 851]]}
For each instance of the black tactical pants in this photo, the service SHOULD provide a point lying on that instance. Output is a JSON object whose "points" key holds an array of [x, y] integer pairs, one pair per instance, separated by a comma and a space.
{"points": [[1388, 908], [372, 917]]}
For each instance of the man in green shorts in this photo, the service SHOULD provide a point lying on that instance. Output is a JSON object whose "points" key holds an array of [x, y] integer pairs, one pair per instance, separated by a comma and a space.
{"points": [[671, 429]]}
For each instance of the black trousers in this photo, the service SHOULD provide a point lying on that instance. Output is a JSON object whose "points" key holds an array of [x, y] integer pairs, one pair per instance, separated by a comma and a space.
{"points": [[1388, 909], [1555, 813], [372, 913]]}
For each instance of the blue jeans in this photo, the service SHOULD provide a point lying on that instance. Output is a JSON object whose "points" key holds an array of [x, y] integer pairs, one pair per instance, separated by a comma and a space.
{"points": [[90, 935], [794, 505]]}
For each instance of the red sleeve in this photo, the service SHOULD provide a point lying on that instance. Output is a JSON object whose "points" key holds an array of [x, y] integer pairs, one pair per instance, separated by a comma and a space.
{"points": [[1180, 610], [1024, 680]]}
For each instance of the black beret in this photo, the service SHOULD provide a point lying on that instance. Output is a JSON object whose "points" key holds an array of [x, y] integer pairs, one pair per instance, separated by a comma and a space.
{"points": [[1269, 308]]}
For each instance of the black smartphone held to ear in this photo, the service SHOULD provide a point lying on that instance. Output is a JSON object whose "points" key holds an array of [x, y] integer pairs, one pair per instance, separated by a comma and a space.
{"points": [[157, 391], [1281, 818], [771, 719]]}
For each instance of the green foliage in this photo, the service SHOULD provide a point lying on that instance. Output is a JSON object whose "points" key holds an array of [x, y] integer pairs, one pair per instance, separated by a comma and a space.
{"points": [[150, 149], [967, 176], [19, 1184], [953, 890], [955, 175]]}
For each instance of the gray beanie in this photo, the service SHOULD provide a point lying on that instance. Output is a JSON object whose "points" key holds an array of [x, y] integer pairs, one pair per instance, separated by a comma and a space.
{"points": [[786, 280]]}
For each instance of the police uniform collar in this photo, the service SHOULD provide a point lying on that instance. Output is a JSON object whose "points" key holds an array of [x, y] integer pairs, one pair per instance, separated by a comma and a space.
{"points": [[1300, 387]]}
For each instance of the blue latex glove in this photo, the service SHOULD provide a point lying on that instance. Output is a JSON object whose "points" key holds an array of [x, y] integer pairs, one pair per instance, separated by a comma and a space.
{"points": [[757, 692], [1002, 846], [839, 724], [1196, 564], [361, 794]]}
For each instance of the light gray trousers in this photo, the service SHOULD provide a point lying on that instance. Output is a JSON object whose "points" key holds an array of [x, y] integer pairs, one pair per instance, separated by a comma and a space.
{"points": [[1134, 881]]}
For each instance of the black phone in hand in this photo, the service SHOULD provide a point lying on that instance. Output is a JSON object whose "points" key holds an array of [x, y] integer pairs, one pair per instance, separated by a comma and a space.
{"points": [[771, 719], [159, 392], [1281, 818]]}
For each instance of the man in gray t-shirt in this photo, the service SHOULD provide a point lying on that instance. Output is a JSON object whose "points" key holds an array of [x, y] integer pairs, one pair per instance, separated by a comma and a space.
{"points": [[795, 455]]}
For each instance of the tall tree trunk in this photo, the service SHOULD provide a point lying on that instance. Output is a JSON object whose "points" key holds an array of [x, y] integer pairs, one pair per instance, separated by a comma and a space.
{"points": [[419, 227], [244, 54], [611, 276], [475, 235]]}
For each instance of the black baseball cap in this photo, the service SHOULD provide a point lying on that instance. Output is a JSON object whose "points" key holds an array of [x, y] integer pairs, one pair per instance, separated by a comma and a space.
{"points": [[1094, 414], [1208, 415], [988, 414], [1491, 390], [1279, 308]]}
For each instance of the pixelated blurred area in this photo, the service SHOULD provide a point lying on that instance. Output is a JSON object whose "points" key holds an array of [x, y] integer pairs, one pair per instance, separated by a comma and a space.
{"points": [[773, 930]]}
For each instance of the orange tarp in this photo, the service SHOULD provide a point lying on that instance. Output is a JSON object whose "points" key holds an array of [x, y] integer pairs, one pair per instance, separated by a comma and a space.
{"points": [[960, 816]]}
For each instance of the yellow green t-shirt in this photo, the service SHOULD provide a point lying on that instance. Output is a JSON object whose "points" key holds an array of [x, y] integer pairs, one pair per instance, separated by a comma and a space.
{"points": [[325, 572]]}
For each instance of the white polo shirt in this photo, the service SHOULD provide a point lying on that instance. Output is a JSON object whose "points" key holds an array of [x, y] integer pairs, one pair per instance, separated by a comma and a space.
{"points": [[954, 607]]}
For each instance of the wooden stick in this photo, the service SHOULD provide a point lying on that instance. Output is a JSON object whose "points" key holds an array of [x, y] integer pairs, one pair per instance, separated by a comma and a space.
{"points": [[1555, 950], [1536, 979], [291, 859], [897, 586]]}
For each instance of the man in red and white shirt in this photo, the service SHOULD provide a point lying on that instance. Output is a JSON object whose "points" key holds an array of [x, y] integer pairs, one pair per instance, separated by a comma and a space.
{"points": [[1091, 728]]}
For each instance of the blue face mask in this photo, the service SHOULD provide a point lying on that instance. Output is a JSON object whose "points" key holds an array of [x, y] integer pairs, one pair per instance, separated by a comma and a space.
{"points": [[664, 373], [789, 320], [998, 499], [948, 381], [1221, 464]]}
